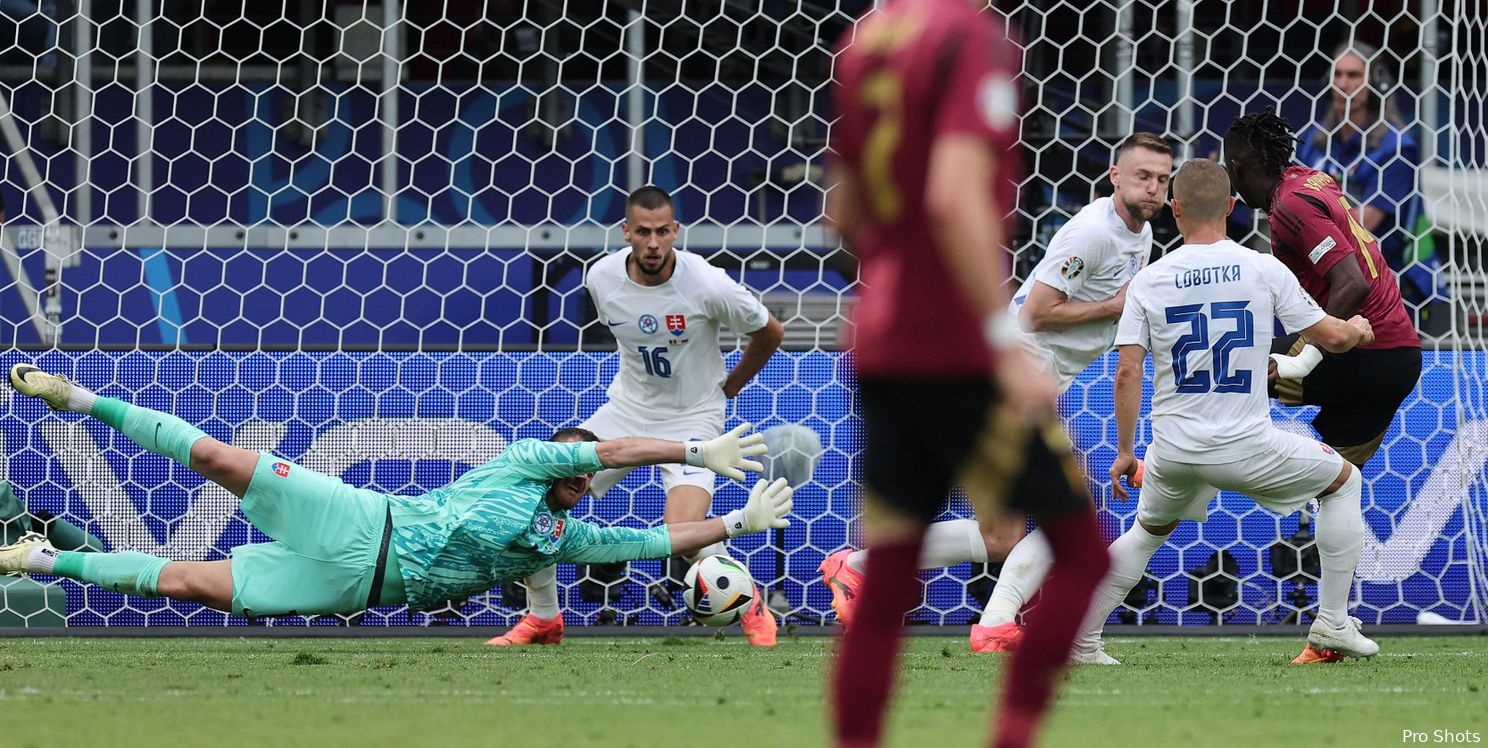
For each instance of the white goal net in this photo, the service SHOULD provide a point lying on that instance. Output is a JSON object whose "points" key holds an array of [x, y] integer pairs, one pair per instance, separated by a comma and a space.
{"points": [[353, 233]]}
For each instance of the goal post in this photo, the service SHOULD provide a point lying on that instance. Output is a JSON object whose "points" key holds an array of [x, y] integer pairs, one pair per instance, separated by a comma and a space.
{"points": [[353, 234]]}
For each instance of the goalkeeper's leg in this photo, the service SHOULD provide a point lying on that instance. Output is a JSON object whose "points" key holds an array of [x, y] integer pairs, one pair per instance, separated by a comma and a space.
{"points": [[161, 433], [141, 575]]}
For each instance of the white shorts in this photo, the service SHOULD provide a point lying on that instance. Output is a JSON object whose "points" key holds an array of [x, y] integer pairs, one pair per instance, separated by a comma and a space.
{"points": [[1283, 478], [613, 421]]}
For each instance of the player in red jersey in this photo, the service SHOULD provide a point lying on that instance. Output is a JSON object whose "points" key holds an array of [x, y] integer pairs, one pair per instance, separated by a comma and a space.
{"points": [[922, 169], [1316, 233]]}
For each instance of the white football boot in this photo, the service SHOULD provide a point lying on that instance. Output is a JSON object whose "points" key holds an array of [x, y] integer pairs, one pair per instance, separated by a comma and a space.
{"points": [[1095, 656], [51, 388], [15, 557], [1348, 640]]}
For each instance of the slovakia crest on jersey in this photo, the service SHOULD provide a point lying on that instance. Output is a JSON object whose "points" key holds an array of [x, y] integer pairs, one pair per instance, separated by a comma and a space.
{"points": [[543, 524], [676, 324], [281, 469]]}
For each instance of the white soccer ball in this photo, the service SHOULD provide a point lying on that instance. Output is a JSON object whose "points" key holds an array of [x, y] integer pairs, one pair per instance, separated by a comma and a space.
{"points": [[717, 590]]}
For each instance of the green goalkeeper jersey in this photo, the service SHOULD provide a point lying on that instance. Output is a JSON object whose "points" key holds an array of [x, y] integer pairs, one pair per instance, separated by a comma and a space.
{"points": [[493, 526]]}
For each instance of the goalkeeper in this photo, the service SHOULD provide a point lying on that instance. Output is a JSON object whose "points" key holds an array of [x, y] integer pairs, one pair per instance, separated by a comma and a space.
{"points": [[340, 549]]}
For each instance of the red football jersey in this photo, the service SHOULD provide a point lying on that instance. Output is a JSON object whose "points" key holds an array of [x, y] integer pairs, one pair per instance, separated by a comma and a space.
{"points": [[1313, 228], [905, 76]]}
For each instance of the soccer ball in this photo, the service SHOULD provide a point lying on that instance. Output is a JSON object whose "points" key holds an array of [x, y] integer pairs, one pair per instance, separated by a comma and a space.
{"points": [[717, 590]]}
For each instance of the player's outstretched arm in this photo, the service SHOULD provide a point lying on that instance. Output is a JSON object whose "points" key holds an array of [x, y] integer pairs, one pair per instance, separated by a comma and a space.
{"points": [[726, 455], [1128, 406], [768, 505], [1336, 336]]}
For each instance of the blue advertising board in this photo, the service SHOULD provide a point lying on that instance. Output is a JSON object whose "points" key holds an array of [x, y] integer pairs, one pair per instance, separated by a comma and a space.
{"points": [[410, 422]]}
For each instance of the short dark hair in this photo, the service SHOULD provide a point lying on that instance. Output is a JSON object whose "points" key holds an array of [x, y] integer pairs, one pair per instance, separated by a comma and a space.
{"points": [[573, 434], [1148, 140], [1202, 187], [649, 197], [1267, 135]]}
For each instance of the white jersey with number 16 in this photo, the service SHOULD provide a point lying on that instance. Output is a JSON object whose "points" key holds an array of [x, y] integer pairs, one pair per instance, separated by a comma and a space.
{"points": [[1206, 313], [670, 363]]}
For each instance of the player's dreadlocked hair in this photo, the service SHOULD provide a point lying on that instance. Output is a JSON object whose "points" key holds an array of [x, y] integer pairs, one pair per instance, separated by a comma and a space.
{"points": [[1266, 134]]}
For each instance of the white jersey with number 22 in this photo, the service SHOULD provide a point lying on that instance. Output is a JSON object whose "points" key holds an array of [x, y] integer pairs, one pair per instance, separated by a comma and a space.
{"points": [[1206, 313]]}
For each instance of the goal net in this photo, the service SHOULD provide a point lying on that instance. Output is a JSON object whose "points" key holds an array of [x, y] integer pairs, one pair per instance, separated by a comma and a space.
{"points": [[353, 234]]}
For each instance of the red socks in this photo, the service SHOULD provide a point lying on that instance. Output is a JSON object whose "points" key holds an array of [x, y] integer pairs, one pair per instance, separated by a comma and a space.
{"points": [[870, 649], [1080, 561]]}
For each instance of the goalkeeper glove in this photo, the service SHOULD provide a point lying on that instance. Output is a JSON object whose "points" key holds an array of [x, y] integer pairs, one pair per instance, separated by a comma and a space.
{"points": [[725, 455], [768, 504]]}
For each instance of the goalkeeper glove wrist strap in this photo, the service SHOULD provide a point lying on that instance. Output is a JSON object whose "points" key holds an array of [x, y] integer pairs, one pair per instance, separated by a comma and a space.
{"points": [[694, 452], [734, 524]]}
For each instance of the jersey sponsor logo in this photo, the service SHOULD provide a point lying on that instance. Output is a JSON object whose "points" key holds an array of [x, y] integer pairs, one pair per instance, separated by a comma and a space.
{"points": [[998, 100], [543, 524], [648, 324], [676, 324], [281, 469], [1321, 249], [1072, 268]]}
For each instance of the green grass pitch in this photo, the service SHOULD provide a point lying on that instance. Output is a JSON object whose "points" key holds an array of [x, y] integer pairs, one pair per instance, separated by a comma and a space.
{"points": [[702, 692]]}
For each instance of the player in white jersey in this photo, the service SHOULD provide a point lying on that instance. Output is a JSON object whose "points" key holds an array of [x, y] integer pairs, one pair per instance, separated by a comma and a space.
{"points": [[1206, 313], [1069, 305], [665, 307]]}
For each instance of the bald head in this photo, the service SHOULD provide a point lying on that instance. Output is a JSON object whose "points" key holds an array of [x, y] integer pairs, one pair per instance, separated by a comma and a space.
{"points": [[1201, 191]]}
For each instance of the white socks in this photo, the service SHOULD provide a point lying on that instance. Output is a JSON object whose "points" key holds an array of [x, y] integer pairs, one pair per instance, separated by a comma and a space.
{"points": [[80, 399], [41, 560], [1129, 556], [946, 544], [542, 593], [1023, 573], [953, 542], [1340, 537]]}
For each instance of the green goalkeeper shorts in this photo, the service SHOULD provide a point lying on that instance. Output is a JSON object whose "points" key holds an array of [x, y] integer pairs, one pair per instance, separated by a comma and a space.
{"points": [[330, 549]]}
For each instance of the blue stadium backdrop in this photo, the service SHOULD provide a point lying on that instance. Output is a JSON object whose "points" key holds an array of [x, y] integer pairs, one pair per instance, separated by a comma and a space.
{"points": [[411, 422], [469, 156]]}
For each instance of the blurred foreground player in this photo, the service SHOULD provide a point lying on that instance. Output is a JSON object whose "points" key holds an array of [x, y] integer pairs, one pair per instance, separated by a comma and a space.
{"points": [[928, 109], [1069, 305]]}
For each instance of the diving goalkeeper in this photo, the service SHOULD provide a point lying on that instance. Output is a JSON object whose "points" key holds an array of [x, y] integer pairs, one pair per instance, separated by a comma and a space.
{"points": [[340, 549]]}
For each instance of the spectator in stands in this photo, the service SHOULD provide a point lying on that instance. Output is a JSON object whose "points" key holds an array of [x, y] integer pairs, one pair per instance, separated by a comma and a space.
{"points": [[1365, 144]]}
